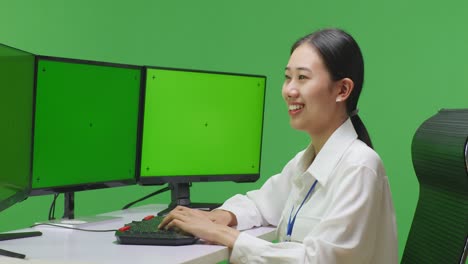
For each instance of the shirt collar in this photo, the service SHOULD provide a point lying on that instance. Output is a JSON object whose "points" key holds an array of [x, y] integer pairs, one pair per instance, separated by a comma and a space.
{"points": [[330, 154]]}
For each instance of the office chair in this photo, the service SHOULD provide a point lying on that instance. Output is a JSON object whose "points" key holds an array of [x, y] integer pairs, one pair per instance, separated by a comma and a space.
{"points": [[439, 232]]}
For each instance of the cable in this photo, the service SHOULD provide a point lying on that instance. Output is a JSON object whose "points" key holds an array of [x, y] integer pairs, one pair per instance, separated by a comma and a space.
{"points": [[165, 189], [75, 228], [52, 207], [11, 254]]}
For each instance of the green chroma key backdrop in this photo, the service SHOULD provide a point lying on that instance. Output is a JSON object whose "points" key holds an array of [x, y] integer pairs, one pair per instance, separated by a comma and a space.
{"points": [[415, 56]]}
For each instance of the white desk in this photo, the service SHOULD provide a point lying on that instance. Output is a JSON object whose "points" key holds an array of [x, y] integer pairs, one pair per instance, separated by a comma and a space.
{"points": [[58, 245]]}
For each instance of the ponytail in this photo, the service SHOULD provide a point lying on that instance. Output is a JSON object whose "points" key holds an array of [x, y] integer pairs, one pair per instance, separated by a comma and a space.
{"points": [[361, 130]]}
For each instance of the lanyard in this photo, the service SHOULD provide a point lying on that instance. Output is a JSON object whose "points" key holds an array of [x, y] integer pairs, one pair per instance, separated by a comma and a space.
{"points": [[291, 222]]}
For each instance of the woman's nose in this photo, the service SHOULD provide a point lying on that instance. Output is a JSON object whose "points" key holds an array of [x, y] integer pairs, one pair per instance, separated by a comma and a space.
{"points": [[290, 91]]}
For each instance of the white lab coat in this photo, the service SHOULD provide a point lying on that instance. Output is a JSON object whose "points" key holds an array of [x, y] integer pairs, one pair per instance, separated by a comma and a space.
{"points": [[349, 218]]}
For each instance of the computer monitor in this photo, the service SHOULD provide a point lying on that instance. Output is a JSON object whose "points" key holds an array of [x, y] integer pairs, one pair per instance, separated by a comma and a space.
{"points": [[16, 114], [85, 126], [200, 126]]}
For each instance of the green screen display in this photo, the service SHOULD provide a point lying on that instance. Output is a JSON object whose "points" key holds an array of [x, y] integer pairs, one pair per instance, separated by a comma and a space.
{"points": [[16, 113], [201, 124], [86, 124]]}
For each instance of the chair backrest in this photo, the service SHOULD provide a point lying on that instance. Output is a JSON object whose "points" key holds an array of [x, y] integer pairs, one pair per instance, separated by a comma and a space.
{"points": [[439, 232]]}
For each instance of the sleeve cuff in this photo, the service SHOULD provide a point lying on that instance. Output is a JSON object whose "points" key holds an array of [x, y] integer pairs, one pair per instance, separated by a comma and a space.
{"points": [[237, 213], [247, 246], [239, 206]]}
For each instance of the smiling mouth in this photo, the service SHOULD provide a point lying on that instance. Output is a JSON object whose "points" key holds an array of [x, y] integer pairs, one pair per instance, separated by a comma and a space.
{"points": [[295, 107]]}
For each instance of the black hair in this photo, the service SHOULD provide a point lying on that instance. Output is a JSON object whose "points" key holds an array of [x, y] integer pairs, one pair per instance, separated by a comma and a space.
{"points": [[343, 59]]}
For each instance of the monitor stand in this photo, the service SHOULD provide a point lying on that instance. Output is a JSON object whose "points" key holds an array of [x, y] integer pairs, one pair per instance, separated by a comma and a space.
{"points": [[69, 220], [9, 236], [180, 195]]}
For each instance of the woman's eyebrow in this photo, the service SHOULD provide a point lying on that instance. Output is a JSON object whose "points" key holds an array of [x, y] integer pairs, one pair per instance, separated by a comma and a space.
{"points": [[299, 68]]}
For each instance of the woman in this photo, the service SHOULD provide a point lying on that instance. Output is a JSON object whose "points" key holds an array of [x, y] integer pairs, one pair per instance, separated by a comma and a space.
{"points": [[331, 203]]}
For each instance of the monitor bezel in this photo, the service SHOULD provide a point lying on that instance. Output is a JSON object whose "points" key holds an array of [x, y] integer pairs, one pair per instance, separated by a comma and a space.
{"points": [[90, 185], [166, 179]]}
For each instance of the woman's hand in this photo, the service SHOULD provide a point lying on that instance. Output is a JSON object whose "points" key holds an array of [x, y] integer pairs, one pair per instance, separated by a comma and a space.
{"points": [[199, 224], [222, 217]]}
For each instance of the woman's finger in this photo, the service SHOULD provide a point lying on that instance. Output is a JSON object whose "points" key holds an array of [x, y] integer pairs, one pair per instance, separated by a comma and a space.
{"points": [[174, 215], [169, 217]]}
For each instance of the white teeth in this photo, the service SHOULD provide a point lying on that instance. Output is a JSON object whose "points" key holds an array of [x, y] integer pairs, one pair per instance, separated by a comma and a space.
{"points": [[295, 107]]}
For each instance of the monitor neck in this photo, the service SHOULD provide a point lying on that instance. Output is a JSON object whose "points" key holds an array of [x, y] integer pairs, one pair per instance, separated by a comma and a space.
{"points": [[180, 195], [69, 206]]}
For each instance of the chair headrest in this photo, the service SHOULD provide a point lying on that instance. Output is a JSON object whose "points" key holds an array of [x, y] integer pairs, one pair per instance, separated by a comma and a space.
{"points": [[440, 151]]}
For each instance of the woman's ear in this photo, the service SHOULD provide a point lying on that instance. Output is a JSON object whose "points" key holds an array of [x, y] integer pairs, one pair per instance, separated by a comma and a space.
{"points": [[345, 87]]}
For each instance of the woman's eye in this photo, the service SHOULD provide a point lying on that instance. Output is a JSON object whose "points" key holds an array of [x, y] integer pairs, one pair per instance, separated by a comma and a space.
{"points": [[302, 77], [287, 77]]}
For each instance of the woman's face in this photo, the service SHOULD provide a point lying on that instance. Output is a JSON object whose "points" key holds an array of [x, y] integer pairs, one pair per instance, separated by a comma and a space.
{"points": [[310, 93]]}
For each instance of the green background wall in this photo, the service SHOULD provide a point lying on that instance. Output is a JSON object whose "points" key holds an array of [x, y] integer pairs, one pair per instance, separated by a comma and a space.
{"points": [[415, 53]]}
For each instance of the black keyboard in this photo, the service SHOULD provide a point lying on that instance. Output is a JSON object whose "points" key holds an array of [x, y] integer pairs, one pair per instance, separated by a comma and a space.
{"points": [[146, 232]]}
